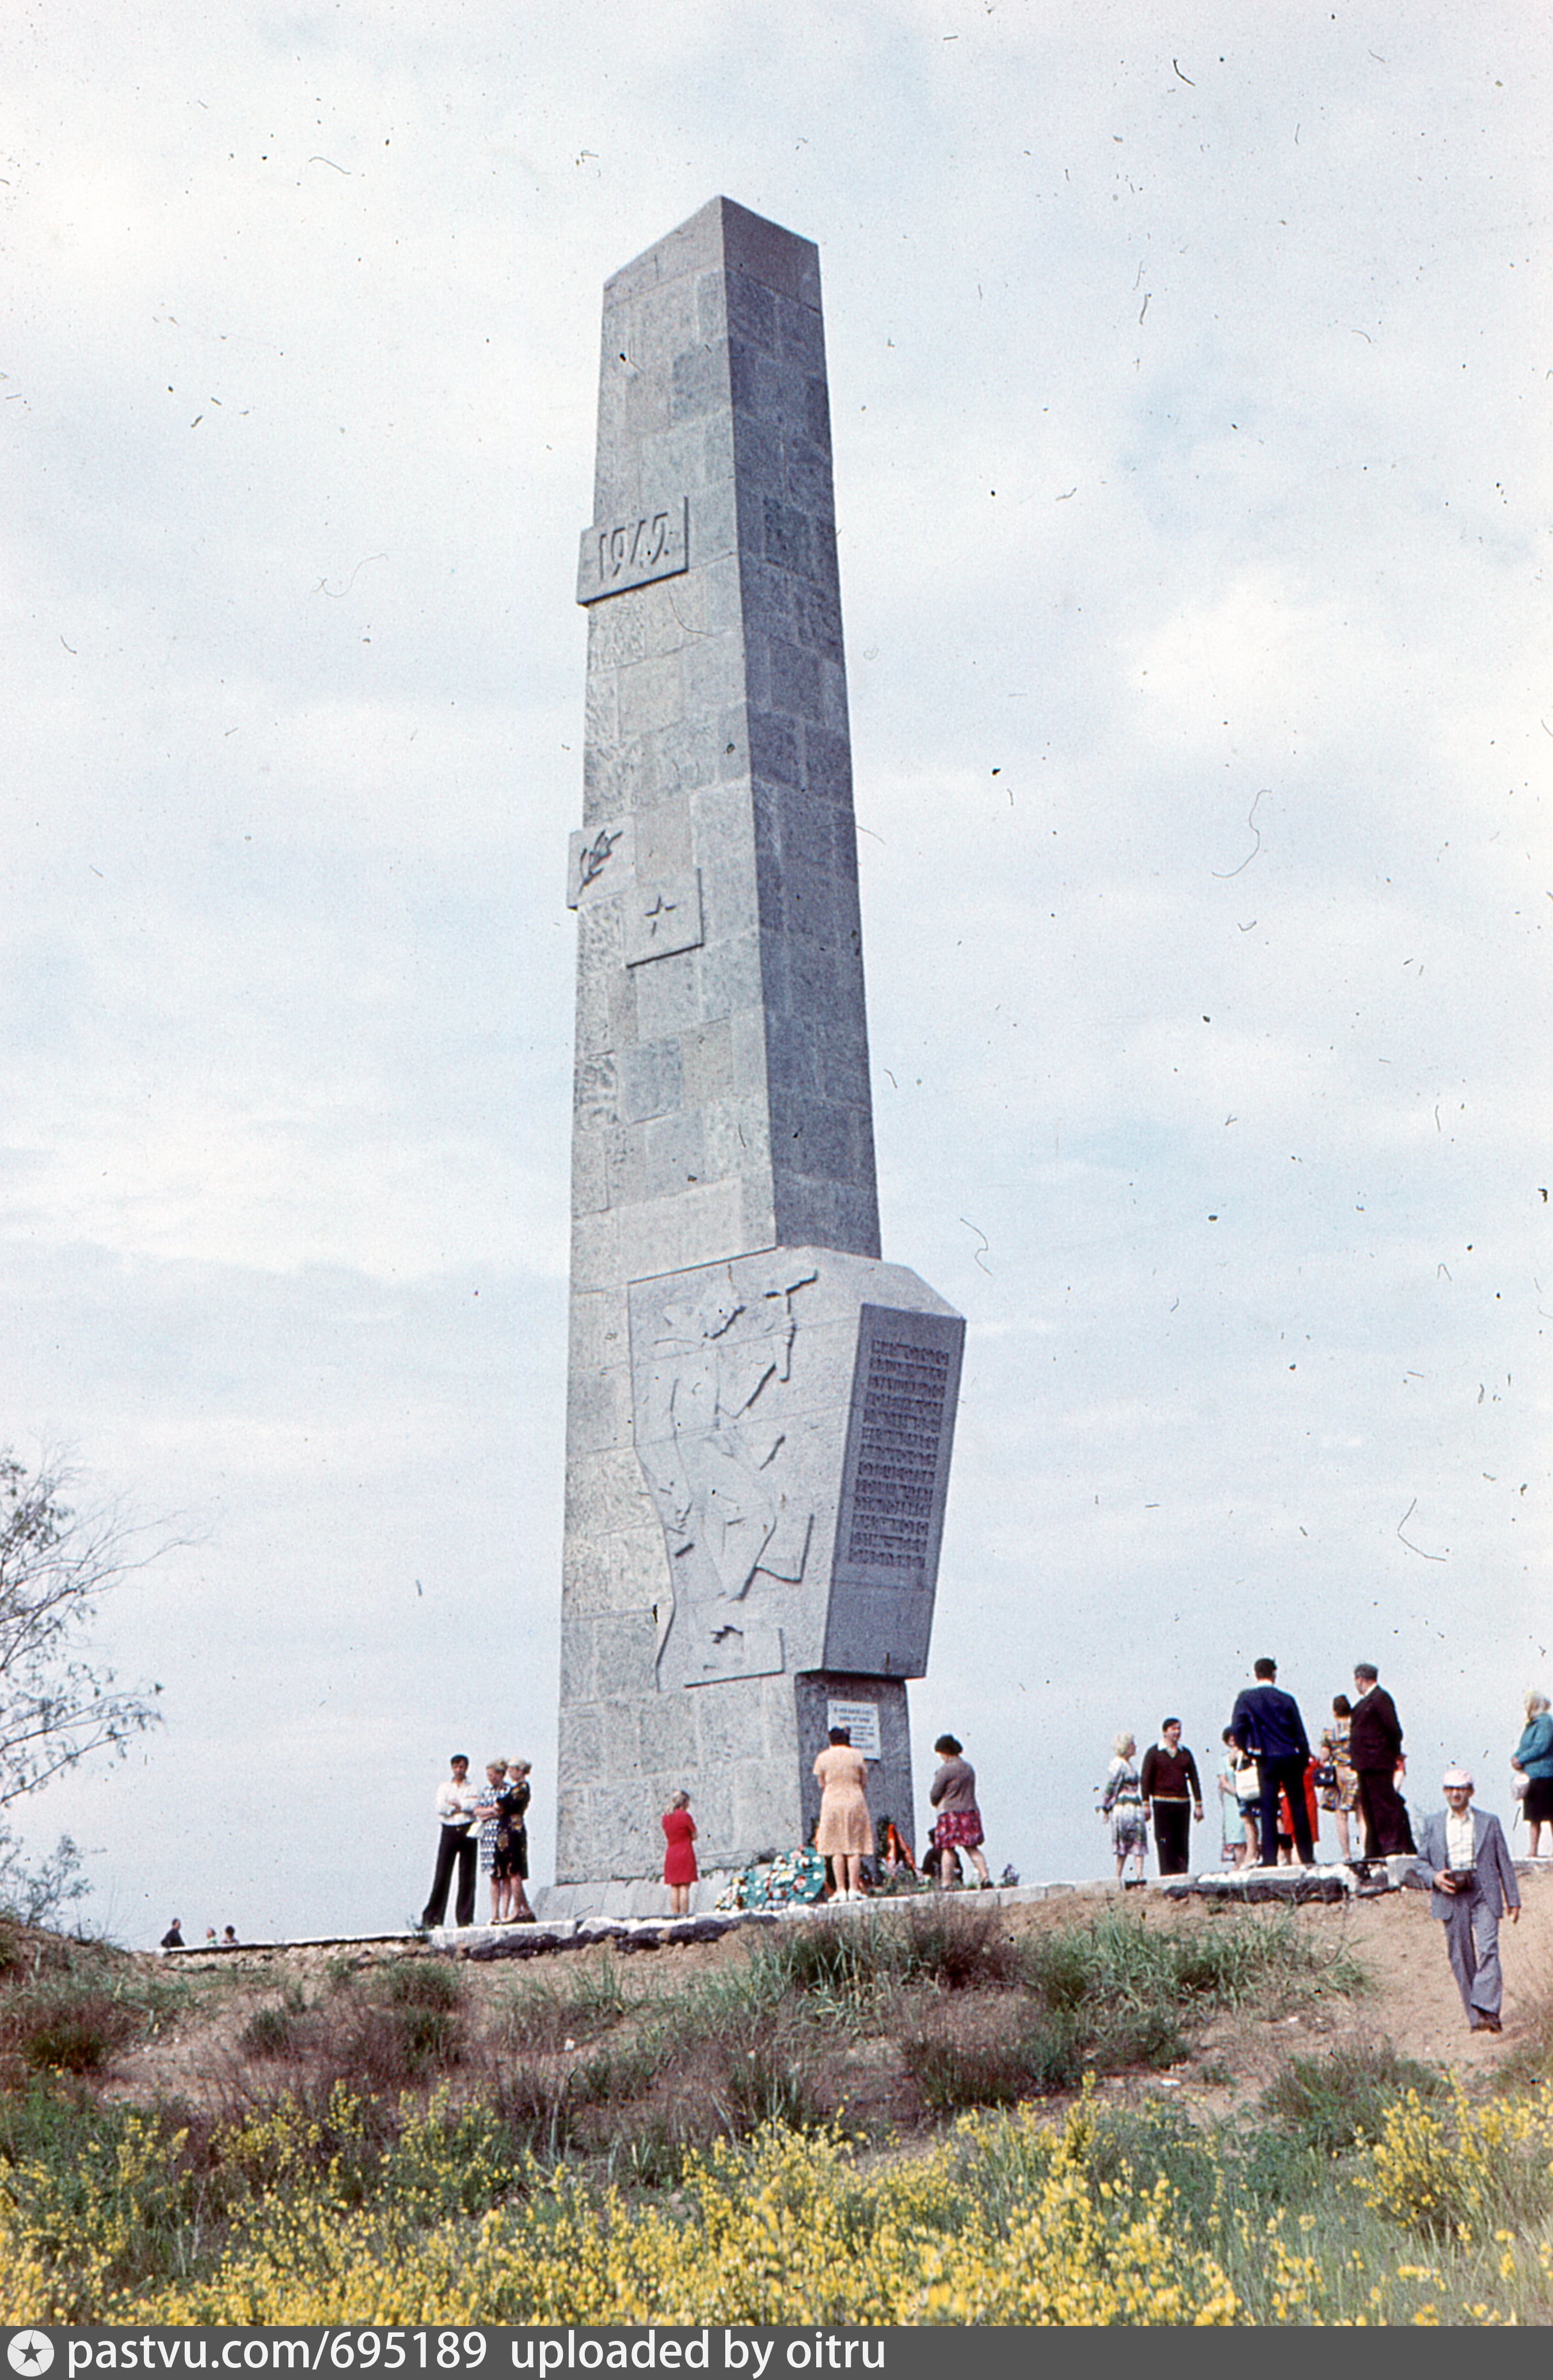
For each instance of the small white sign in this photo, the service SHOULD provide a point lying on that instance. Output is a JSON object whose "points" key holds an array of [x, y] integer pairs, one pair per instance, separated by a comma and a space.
{"points": [[863, 1720]]}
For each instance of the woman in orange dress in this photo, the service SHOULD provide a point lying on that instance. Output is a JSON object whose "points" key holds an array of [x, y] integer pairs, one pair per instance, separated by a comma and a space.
{"points": [[680, 1859], [845, 1834]]}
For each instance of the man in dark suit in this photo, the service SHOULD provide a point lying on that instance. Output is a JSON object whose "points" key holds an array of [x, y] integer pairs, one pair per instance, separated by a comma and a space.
{"points": [[1474, 1880], [1375, 1750], [1267, 1723]]}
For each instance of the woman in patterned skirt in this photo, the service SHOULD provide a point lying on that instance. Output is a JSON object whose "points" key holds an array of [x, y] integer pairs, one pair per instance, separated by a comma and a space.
{"points": [[953, 1795], [1122, 1803]]}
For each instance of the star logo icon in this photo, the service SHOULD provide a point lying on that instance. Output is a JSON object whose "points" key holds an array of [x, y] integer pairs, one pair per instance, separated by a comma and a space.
{"points": [[30, 2351]]}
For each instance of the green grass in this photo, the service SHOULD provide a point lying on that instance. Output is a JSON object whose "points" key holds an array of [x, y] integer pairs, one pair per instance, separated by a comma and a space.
{"points": [[1328, 2103], [545, 2012], [1236, 1960]]}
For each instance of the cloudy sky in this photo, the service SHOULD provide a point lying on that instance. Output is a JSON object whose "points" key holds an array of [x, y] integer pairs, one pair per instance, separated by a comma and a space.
{"points": [[1190, 376]]}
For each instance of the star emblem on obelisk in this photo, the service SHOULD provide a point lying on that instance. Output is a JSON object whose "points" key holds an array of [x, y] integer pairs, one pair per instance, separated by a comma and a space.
{"points": [[659, 913]]}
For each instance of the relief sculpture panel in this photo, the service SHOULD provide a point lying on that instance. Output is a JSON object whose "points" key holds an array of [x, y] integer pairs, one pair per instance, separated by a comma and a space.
{"points": [[794, 1432], [712, 1365]]}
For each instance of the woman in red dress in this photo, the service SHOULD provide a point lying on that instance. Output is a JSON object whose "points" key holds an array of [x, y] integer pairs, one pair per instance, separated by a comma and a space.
{"points": [[680, 1859]]}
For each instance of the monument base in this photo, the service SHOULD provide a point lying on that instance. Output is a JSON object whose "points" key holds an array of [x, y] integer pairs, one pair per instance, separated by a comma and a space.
{"points": [[622, 1896], [875, 1710]]}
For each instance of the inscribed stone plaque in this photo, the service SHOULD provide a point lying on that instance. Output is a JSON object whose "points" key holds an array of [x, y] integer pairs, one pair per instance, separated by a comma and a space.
{"points": [[894, 1484], [616, 555], [862, 1722]]}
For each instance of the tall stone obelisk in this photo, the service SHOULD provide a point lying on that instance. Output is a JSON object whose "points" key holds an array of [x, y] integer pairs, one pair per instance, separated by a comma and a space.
{"points": [[760, 1412]]}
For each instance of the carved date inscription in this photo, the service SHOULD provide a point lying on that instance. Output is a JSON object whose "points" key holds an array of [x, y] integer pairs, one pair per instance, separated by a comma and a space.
{"points": [[653, 543], [902, 1427]]}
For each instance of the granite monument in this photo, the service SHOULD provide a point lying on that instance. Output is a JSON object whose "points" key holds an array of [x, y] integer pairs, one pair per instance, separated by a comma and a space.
{"points": [[760, 1411]]}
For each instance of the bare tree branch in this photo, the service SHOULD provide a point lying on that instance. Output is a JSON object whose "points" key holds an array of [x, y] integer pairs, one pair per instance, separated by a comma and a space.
{"points": [[57, 1703]]}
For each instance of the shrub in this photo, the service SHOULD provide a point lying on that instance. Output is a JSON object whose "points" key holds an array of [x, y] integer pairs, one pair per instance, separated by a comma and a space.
{"points": [[540, 2014], [770, 2082], [1451, 2169], [952, 1945], [71, 2027], [423, 1984], [951, 2071], [956, 1946], [1328, 2103], [274, 2033], [382, 2050], [538, 2109]]}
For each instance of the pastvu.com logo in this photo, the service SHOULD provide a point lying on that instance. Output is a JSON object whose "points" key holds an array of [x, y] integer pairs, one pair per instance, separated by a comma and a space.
{"points": [[30, 2351]]}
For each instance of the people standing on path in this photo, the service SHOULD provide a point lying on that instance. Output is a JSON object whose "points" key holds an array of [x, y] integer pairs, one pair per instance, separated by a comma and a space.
{"points": [[1534, 1757], [959, 1825], [515, 1860], [1173, 1798], [1474, 1879], [845, 1834], [1122, 1803], [1335, 1781], [679, 1860], [1375, 1747], [172, 1939], [456, 1846], [1265, 1722]]}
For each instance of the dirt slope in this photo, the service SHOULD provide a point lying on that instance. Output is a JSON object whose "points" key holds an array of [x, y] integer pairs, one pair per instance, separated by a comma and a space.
{"points": [[1413, 2001]]}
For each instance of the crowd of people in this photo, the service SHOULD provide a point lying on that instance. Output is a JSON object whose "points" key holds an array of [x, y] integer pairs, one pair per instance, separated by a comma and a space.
{"points": [[489, 1823], [1273, 1790], [1273, 1787]]}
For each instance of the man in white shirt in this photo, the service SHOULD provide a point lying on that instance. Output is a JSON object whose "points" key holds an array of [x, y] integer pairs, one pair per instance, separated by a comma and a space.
{"points": [[456, 1845], [1474, 1879]]}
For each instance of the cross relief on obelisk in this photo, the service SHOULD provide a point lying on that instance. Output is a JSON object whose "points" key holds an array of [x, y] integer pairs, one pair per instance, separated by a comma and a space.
{"points": [[760, 1411]]}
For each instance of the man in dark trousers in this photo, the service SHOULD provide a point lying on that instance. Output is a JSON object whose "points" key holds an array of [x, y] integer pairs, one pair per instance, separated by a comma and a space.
{"points": [[1267, 1723], [1169, 1775], [1375, 1750], [456, 1845]]}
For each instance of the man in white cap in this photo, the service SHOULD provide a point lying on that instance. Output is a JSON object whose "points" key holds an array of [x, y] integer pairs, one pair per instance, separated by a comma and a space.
{"points": [[1474, 1879]]}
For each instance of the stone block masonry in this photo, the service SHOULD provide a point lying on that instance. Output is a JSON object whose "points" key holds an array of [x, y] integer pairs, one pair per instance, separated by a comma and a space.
{"points": [[760, 1412]]}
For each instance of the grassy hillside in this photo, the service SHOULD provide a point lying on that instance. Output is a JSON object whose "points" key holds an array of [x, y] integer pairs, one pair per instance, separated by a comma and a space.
{"points": [[948, 2113]]}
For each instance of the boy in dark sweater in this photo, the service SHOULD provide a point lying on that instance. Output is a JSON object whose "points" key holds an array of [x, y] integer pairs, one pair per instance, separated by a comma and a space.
{"points": [[1169, 1776]]}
